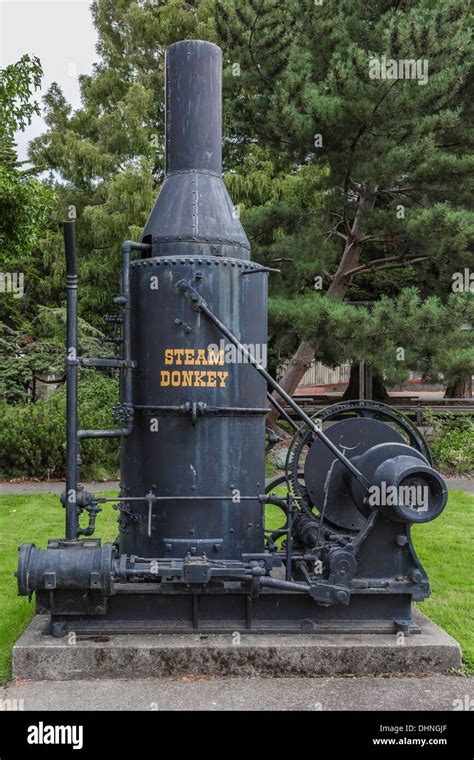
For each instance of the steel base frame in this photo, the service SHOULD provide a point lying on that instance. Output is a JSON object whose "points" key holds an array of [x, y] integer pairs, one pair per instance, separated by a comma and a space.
{"points": [[143, 610]]}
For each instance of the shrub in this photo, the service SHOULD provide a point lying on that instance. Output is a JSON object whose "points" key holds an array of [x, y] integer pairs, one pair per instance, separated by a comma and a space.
{"points": [[452, 442], [33, 436]]}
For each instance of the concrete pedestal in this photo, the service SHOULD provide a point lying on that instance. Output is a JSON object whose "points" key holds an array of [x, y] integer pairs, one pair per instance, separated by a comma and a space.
{"points": [[39, 657]]}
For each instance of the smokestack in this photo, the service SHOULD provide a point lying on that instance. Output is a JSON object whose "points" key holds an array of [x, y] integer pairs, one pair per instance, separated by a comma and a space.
{"points": [[193, 214], [194, 107]]}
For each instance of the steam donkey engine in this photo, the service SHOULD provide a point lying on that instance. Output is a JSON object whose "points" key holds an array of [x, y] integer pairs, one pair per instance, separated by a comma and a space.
{"points": [[194, 551]]}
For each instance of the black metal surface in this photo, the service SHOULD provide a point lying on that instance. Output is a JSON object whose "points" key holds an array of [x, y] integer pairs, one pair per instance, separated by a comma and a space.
{"points": [[353, 437], [193, 214], [124, 363], [67, 567], [142, 610], [421, 492], [193, 92], [218, 454], [402, 431]]}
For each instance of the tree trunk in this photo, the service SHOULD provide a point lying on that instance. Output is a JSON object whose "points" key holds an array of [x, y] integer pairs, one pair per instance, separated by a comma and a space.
{"points": [[305, 352], [379, 392], [300, 362], [460, 388]]}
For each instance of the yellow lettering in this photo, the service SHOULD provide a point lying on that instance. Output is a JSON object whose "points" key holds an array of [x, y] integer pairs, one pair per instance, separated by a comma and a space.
{"points": [[198, 379], [216, 357], [190, 378]]}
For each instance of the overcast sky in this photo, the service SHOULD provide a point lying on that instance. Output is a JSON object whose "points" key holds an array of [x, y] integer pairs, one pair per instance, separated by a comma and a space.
{"points": [[61, 34]]}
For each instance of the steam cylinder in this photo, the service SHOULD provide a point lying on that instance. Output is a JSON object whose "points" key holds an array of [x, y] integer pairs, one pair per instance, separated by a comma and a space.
{"points": [[199, 410]]}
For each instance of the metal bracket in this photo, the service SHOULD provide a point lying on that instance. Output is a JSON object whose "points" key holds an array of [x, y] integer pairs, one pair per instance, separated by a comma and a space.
{"points": [[198, 546], [186, 328]]}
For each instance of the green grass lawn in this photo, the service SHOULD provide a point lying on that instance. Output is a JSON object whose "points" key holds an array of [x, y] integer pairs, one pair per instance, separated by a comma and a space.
{"points": [[29, 519], [444, 548]]}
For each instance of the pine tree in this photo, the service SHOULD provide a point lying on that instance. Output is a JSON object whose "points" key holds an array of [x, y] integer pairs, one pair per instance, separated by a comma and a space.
{"points": [[312, 85], [376, 205], [109, 154]]}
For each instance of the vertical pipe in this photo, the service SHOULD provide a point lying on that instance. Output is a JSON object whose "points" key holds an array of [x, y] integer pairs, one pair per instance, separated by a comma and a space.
{"points": [[126, 347], [289, 538], [362, 380], [71, 380], [126, 385], [193, 107]]}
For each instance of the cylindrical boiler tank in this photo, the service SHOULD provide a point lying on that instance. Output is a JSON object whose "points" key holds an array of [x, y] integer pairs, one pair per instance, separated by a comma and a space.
{"points": [[198, 436]]}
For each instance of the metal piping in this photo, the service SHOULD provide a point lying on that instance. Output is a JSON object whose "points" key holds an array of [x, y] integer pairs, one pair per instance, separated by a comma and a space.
{"points": [[193, 214], [193, 87], [125, 363], [71, 380], [73, 435]]}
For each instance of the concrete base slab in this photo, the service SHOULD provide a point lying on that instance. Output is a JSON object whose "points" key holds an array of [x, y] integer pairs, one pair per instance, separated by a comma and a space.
{"points": [[38, 657]]}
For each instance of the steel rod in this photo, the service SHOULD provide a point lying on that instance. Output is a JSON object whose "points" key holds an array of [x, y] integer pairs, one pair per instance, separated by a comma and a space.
{"points": [[214, 410], [118, 433], [191, 497], [71, 380], [282, 412], [106, 361]]}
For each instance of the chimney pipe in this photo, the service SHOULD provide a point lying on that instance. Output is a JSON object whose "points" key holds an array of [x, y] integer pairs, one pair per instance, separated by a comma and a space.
{"points": [[193, 214], [193, 107]]}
